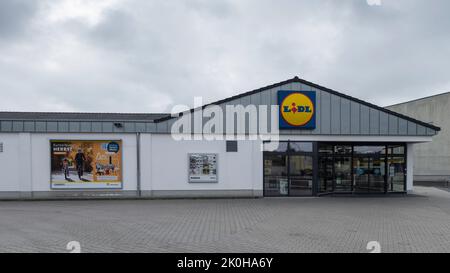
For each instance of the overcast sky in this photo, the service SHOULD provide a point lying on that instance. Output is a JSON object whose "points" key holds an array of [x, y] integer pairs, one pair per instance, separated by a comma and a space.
{"points": [[146, 56]]}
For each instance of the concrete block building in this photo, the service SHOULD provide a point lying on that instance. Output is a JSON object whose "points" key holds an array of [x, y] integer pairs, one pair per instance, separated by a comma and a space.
{"points": [[432, 159]]}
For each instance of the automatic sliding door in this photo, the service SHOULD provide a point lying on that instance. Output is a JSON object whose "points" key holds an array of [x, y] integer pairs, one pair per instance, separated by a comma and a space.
{"points": [[300, 175], [377, 174], [361, 174], [326, 174], [369, 174]]}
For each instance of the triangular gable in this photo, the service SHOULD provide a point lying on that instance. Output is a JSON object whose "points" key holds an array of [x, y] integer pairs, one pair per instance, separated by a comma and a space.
{"points": [[337, 113]]}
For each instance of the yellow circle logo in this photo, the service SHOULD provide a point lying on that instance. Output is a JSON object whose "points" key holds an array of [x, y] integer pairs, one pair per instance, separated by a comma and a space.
{"points": [[297, 109]]}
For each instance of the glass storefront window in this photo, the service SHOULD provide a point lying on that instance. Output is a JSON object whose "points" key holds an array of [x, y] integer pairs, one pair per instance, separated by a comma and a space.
{"points": [[280, 147], [396, 174], [342, 149], [369, 150], [325, 148], [396, 150], [342, 167], [306, 147], [288, 168], [275, 175], [275, 165]]}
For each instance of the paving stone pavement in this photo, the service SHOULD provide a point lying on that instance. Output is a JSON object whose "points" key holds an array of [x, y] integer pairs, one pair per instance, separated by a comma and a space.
{"points": [[416, 223]]}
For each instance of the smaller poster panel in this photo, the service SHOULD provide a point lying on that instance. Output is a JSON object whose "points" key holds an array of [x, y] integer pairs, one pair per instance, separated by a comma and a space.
{"points": [[203, 168]]}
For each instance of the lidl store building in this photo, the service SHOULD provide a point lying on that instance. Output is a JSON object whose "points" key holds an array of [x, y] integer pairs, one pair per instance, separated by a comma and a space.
{"points": [[326, 143]]}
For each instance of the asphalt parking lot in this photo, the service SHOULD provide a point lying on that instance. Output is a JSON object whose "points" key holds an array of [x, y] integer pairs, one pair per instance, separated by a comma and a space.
{"points": [[416, 223]]}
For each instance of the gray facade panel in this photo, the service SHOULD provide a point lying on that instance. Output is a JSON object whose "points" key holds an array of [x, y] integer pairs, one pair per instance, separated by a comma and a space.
{"points": [[345, 117], [325, 113], [412, 128], [374, 122], [355, 122], [365, 120], [107, 127], [29, 126], [85, 127], [52, 126], [74, 127], [393, 125], [129, 127], [255, 99], [17, 126], [119, 127], [6, 126], [150, 127], [296, 86], [245, 101], [41, 126], [335, 115], [384, 123], [421, 130], [318, 120], [63, 126], [140, 127], [273, 96], [265, 100], [170, 124], [402, 127], [162, 126], [431, 132], [97, 127]]}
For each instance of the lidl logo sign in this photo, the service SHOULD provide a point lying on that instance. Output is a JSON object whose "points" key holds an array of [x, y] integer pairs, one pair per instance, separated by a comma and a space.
{"points": [[297, 109]]}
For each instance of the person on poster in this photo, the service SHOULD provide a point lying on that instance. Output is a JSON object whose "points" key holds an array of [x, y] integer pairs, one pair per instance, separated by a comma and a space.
{"points": [[65, 166], [79, 159]]}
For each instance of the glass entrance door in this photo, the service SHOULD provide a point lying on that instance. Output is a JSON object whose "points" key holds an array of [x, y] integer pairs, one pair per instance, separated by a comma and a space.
{"points": [[300, 175], [377, 175], [361, 174], [326, 165], [369, 174]]}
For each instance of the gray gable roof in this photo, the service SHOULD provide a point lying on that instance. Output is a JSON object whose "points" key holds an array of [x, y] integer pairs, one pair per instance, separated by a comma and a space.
{"points": [[296, 79], [338, 114]]}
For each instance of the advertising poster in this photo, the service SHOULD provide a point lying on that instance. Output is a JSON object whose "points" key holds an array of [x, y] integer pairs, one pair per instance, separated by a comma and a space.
{"points": [[203, 168], [86, 164]]}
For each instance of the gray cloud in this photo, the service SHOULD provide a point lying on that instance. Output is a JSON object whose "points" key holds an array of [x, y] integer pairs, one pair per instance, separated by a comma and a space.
{"points": [[15, 15], [145, 56]]}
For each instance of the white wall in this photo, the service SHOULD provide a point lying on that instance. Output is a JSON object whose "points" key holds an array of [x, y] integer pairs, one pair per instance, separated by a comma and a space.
{"points": [[241, 170], [40, 154], [25, 162], [10, 165]]}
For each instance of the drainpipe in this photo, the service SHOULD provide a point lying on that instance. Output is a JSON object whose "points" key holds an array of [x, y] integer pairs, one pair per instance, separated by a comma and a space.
{"points": [[138, 163]]}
